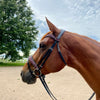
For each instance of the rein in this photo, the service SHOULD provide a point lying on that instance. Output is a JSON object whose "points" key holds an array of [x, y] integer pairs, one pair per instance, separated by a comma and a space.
{"points": [[37, 71]]}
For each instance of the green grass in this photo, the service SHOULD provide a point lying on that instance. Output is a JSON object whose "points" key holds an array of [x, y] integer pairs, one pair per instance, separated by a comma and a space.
{"points": [[6, 62], [11, 64]]}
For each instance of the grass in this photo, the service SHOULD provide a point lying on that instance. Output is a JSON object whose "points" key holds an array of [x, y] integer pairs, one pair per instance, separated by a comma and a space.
{"points": [[5, 63], [11, 64]]}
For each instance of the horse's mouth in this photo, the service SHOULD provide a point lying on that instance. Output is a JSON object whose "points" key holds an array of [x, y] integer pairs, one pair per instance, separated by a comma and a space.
{"points": [[28, 78]]}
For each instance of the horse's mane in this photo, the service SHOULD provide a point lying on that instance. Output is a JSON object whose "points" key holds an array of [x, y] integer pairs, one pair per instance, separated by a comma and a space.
{"points": [[88, 39]]}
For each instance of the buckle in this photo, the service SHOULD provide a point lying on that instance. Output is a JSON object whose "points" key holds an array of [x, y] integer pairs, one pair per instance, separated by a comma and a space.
{"points": [[37, 73]]}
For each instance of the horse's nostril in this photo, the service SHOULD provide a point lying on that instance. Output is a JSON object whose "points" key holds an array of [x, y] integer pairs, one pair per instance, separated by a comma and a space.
{"points": [[21, 74]]}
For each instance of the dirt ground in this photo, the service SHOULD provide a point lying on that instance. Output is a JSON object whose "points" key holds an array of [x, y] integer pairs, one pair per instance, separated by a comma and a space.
{"points": [[65, 85]]}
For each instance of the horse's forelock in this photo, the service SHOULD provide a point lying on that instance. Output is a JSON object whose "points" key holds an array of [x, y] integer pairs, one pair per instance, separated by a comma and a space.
{"points": [[45, 35]]}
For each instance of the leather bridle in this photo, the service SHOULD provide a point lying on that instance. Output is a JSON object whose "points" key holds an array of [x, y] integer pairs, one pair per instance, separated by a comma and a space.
{"points": [[37, 67]]}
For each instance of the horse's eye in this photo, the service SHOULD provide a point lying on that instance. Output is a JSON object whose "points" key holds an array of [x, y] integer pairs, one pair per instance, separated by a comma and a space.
{"points": [[42, 45]]}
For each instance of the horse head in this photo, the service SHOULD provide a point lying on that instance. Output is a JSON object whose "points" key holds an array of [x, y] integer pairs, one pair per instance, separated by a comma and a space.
{"points": [[53, 63]]}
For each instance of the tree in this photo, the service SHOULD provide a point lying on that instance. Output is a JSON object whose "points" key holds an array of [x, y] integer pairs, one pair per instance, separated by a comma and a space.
{"points": [[17, 28]]}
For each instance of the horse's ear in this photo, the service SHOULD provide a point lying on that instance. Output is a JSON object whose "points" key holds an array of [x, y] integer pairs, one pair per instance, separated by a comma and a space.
{"points": [[53, 28]]}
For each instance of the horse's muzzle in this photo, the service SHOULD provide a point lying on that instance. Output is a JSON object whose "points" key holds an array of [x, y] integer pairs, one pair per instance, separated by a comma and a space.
{"points": [[28, 78]]}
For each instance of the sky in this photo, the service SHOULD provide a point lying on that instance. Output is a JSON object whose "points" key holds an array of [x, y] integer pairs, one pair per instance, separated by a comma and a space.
{"points": [[79, 16]]}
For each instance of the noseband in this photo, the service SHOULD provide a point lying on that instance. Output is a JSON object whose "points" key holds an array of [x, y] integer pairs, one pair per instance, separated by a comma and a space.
{"points": [[37, 67]]}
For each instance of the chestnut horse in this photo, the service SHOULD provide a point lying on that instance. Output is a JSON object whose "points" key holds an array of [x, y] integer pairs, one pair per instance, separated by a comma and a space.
{"points": [[80, 53]]}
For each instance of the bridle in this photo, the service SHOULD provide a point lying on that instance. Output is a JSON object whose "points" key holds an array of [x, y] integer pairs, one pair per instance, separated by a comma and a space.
{"points": [[37, 67]]}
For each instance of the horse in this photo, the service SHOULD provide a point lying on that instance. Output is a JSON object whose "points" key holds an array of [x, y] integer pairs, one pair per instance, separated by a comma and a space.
{"points": [[79, 52]]}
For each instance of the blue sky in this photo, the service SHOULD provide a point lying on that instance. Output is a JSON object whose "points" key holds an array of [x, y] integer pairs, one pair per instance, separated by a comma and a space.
{"points": [[79, 16]]}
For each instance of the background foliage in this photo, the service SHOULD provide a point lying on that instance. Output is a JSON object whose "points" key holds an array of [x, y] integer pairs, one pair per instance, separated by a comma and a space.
{"points": [[17, 28]]}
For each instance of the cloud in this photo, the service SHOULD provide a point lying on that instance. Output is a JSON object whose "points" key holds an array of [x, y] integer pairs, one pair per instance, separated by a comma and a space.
{"points": [[79, 16], [21, 53], [32, 51], [42, 27]]}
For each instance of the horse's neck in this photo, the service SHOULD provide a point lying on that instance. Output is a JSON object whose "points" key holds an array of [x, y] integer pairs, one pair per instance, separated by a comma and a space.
{"points": [[82, 49], [84, 56]]}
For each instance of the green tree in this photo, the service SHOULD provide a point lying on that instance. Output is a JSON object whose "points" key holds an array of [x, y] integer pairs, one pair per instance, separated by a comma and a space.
{"points": [[17, 28]]}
